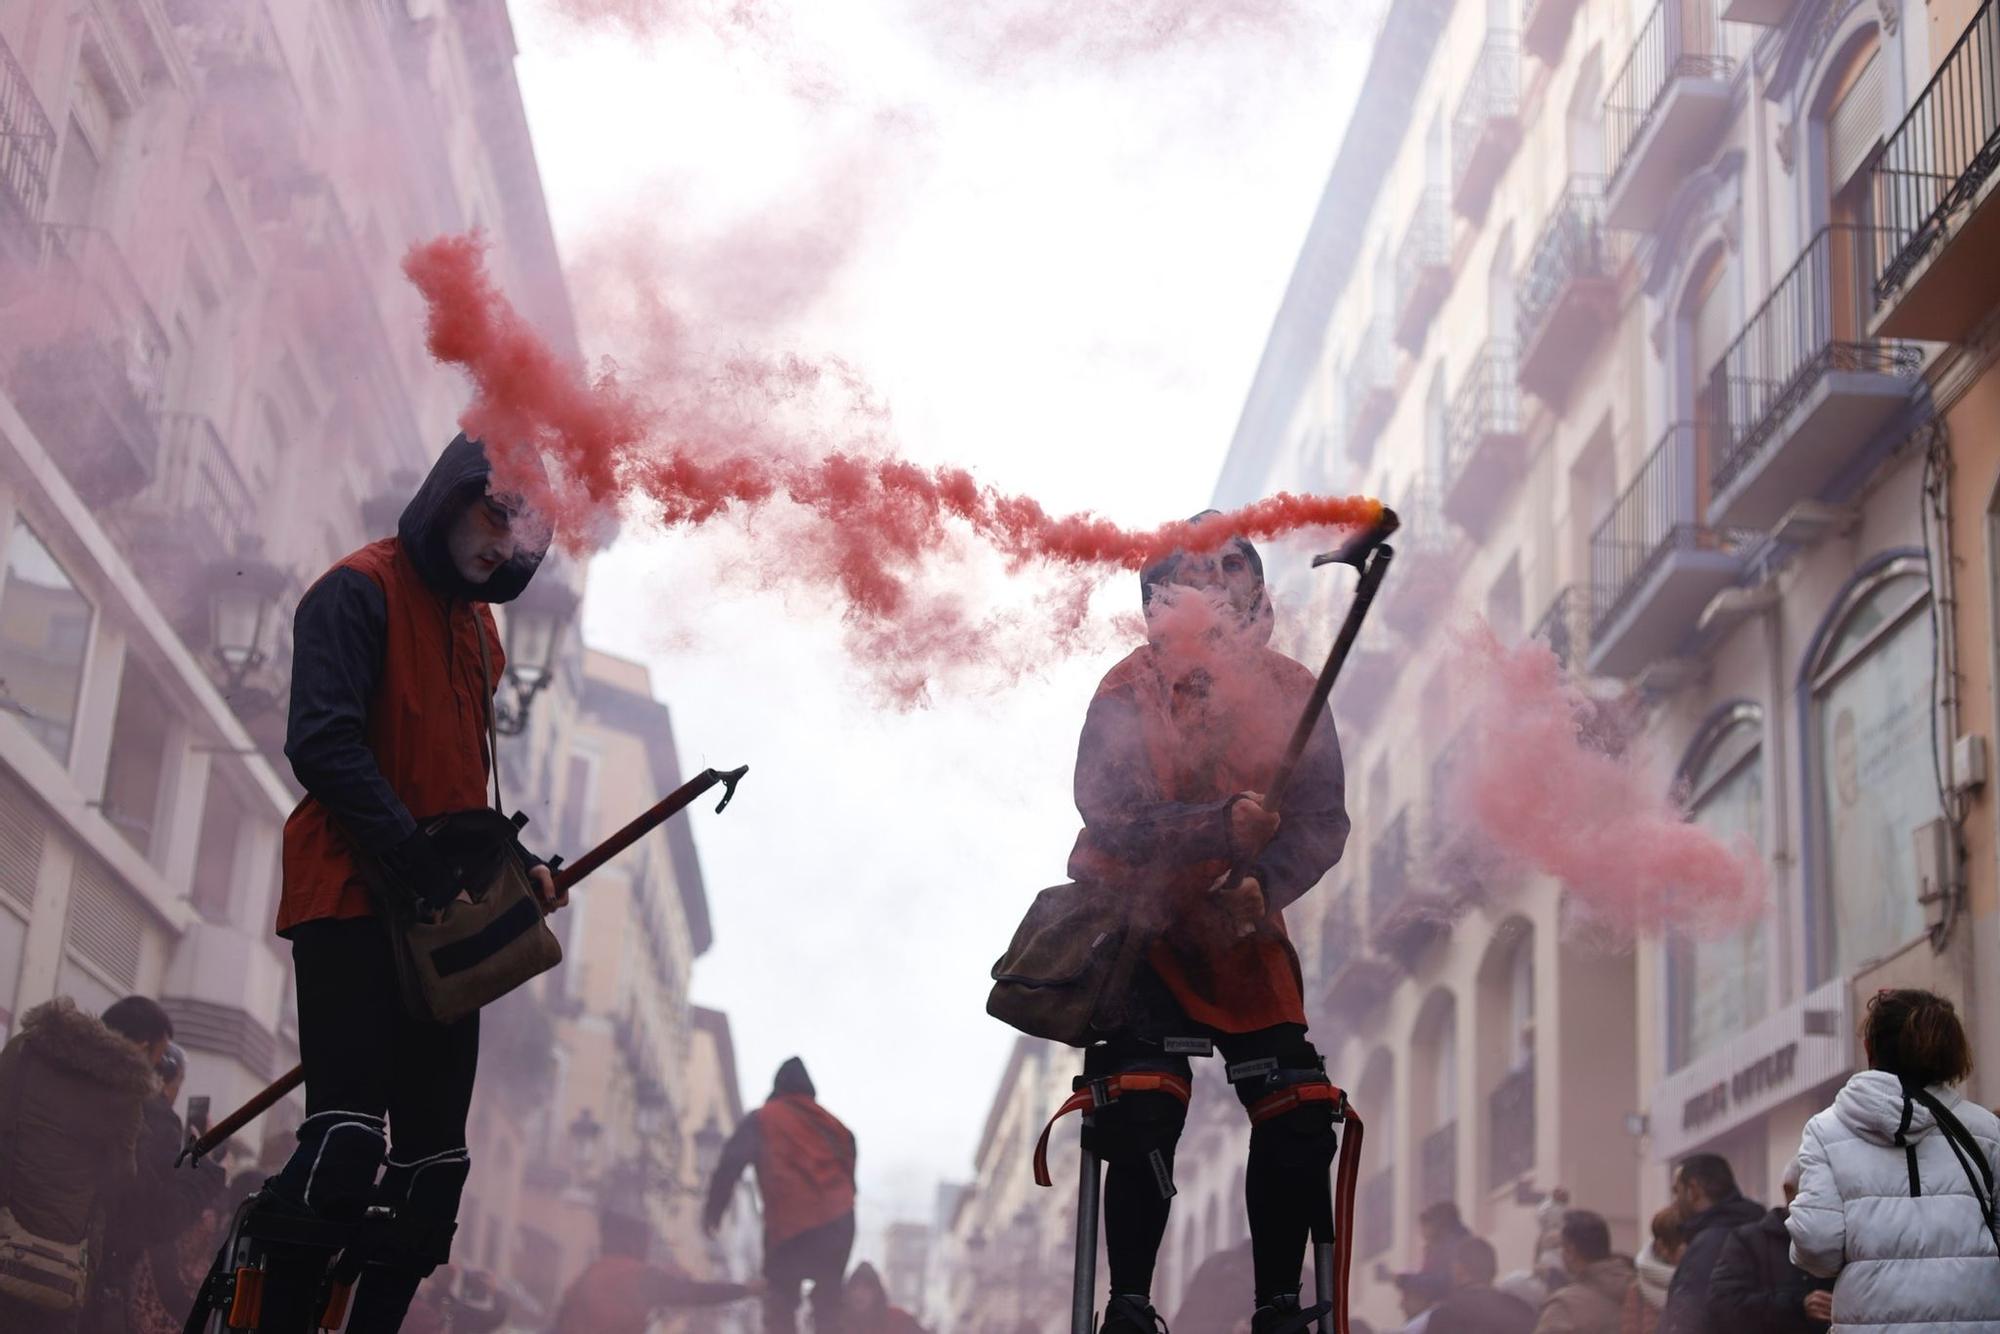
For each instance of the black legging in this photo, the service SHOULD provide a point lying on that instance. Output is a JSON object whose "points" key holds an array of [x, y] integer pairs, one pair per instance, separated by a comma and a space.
{"points": [[364, 1054], [1285, 1182]]}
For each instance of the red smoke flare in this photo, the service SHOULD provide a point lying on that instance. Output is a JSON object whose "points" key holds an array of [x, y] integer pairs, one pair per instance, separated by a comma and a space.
{"points": [[869, 523]]}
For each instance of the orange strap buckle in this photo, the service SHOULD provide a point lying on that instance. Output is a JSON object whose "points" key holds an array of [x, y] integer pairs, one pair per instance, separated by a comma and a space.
{"points": [[1100, 1093]]}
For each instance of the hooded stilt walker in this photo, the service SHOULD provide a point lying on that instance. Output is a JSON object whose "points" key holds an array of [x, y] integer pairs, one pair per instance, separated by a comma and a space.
{"points": [[1176, 740], [396, 658]]}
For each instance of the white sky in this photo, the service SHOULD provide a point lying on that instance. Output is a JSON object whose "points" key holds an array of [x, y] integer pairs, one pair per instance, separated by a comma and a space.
{"points": [[1063, 280]]}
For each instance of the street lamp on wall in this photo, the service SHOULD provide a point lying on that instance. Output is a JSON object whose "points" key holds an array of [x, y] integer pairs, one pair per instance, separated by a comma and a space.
{"points": [[536, 625], [242, 601]]}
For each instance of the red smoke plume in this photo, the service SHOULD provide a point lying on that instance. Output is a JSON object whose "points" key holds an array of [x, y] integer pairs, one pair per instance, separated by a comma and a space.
{"points": [[1537, 787], [883, 532]]}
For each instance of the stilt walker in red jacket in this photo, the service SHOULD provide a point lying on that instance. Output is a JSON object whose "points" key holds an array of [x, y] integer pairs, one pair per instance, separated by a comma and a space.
{"points": [[804, 1161], [1178, 739]]}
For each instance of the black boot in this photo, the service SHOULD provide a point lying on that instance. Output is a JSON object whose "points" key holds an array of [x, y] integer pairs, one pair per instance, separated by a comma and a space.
{"points": [[1126, 1314], [1281, 1315]]}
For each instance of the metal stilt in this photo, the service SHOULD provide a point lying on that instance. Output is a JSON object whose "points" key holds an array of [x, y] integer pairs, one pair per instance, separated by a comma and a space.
{"points": [[1083, 1300], [1323, 1293]]}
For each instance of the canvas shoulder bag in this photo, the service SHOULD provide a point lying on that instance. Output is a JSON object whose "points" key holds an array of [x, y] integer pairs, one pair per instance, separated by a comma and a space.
{"points": [[496, 937], [1069, 973]]}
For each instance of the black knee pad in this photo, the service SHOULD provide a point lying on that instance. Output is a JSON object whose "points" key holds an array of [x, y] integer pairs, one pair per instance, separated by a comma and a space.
{"points": [[1134, 1126], [423, 1195], [332, 1172]]}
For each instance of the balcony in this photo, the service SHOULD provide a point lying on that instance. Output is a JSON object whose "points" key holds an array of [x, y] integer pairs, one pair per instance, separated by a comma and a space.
{"points": [[1510, 1128], [1487, 453], [1375, 1215], [1437, 1166], [197, 503], [1423, 267], [1545, 27], [1664, 108], [27, 149], [1403, 919], [1565, 626], [1371, 389], [1653, 563], [1354, 980], [1429, 555], [1568, 293], [1486, 126], [1802, 390], [90, 386], [1932, 191]]}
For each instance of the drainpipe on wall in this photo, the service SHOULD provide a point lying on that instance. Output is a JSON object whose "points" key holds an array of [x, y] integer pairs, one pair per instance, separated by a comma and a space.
{"points": [[1939, 554], [1780, 770]]}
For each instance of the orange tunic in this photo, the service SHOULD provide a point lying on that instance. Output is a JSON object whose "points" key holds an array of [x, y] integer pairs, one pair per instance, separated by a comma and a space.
{"points": [[426, 729]]}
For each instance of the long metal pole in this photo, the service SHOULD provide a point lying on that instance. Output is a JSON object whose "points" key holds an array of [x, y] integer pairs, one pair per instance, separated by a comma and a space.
{"points": [[1083, 1299]]}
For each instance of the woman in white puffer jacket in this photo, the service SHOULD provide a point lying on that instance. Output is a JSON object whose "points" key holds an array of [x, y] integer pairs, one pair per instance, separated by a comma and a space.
{"points": [[1896, 1182]]}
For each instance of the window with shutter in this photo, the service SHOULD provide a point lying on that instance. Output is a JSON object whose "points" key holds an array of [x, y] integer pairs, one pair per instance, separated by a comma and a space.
{"points": [[1854, 124], [21, 826], [105, 927]]}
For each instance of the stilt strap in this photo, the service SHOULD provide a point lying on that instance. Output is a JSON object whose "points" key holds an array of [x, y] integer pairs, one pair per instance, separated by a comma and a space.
{"points": [[1297, 1095], [1347, 1177], [1102, 1093]]}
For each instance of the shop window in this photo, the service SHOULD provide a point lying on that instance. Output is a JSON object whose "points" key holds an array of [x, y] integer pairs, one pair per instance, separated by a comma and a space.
{"points": [[1873, 768], [44, 634], [1719, 987]]}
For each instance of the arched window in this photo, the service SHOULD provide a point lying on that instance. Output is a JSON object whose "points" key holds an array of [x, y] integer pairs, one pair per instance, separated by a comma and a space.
{"points": [[1521, 1003], [1718, 987], [1872, 767]]}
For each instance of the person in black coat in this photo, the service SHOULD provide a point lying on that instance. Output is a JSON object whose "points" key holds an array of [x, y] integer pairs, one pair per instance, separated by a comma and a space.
{"points": [[1705, 1189], [1756, 1288]]}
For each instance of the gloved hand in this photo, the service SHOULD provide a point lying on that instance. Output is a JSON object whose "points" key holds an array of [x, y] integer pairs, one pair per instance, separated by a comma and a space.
{"points": [[417, 868]]}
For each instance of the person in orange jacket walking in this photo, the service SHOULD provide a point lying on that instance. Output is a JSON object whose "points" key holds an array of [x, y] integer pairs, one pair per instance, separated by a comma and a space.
{"points": [[804, 1160]]}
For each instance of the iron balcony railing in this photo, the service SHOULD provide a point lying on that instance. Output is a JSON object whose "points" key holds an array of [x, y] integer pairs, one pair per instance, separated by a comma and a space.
{"points": [[1492, 92], [1658, 513], [1681, 39], [1426, 531], [1814, 321], [1375, 1215], [1574, 245], [197, 479], [1488, 404], [1426, 245], [1437, 1166], [1371, 375], [1565, 626], [1389, 870], [1942, 153], [1510, 1127], [27, 143]]}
